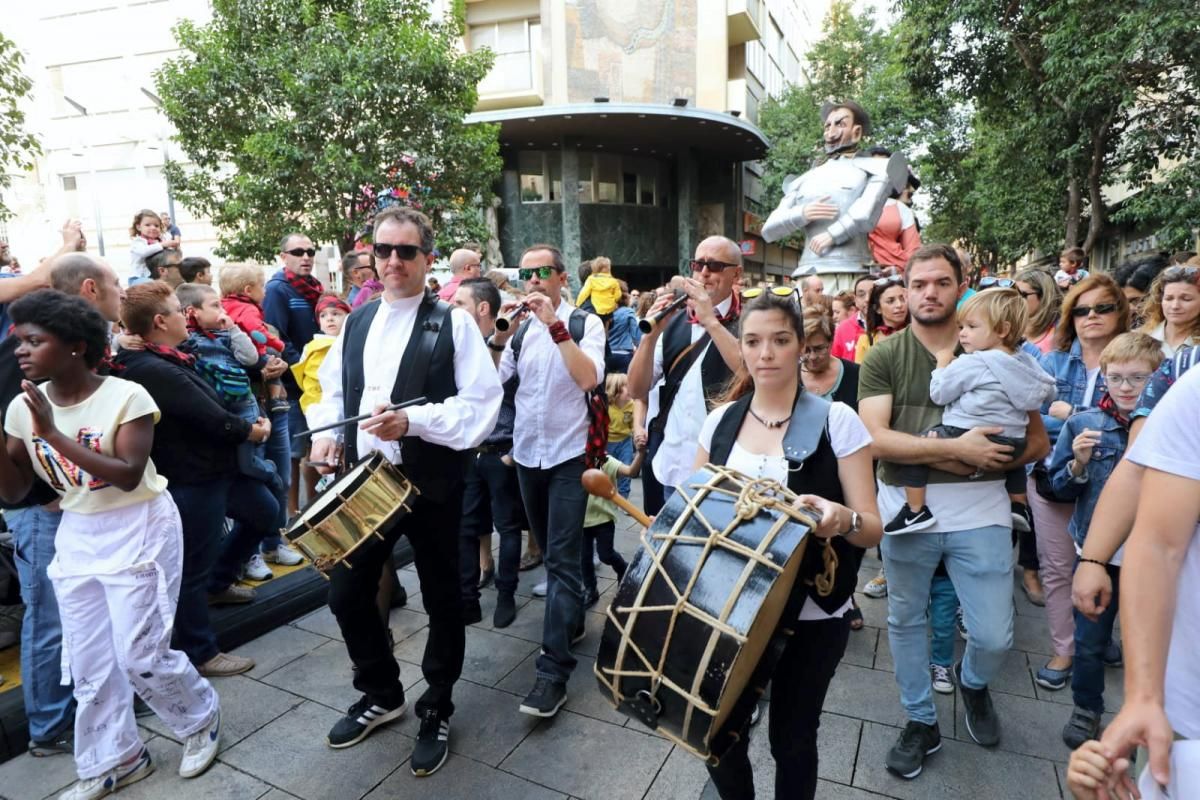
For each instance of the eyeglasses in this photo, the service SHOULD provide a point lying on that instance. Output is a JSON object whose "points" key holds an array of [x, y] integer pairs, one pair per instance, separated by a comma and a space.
{"points": [[699, 265], [301, 251], [1132, 381], [1180, 273], [543, 273], [778, 291], [890, 279], [990, 282], [405, 252], [819, 350], [1079, 312], [1026, 295]]}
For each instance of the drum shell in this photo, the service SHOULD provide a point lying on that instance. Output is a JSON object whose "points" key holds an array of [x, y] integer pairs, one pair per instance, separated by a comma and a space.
{"points": [[363, 502], [709, 665]]}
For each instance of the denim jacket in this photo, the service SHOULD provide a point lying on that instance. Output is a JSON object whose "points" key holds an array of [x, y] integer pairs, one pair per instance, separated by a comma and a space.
{"points": [[1114, 437], [1070, 375]]}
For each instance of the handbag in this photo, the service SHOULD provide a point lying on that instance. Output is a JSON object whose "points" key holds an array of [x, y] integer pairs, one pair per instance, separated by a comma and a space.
{"points": [[1041, 482]]}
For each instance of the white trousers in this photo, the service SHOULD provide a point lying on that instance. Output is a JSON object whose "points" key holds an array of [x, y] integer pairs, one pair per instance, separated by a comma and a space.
{"points": [[116, 625]]}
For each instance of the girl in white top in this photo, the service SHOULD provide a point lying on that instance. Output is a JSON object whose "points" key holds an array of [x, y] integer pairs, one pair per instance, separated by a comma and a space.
{"points": [[120, 549], [772, 342], [146, 240]]}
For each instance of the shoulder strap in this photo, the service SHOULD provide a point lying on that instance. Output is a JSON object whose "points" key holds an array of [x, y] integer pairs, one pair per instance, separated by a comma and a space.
{"points": [[810, 415], [576, 326], [423, 340], [727, 429]]}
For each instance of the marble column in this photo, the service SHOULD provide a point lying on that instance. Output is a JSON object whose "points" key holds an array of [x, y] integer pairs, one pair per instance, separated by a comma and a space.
{"points": [[686, 183], [570, 245]]}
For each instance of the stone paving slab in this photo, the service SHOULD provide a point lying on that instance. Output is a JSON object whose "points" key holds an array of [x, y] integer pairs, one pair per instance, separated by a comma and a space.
{"points": [[583, 694], [324, 676], [486, 726], [278, 647], [219, 780], [29, 778], [469, 779], [487, 655]]}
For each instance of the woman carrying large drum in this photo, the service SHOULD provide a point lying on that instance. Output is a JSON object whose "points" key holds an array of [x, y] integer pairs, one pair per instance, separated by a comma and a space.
{"points": [[770, 414]]}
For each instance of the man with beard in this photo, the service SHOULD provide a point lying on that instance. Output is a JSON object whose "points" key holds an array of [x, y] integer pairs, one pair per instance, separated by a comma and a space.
{"points": [[973, 537], [838, 202]]}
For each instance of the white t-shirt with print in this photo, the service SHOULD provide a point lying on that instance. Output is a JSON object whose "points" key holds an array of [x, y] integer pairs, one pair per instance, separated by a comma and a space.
{"points": [[847, 435], [1170, 442]]}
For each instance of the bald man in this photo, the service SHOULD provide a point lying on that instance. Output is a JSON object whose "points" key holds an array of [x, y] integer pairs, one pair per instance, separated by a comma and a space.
{"points": [[812, 288], [464, 265]]}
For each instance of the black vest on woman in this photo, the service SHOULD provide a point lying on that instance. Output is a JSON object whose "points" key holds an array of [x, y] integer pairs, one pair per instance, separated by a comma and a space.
{"points": [[812, 469], [426, 370]]}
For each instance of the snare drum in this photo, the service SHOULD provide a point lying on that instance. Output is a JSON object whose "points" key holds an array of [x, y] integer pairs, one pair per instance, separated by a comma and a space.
{"points": [[363, 502], [699, 606]]}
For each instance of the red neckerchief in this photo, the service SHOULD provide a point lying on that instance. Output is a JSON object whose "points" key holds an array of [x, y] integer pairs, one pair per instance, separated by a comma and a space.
{"points": [[1109, 406], [171, 354], [194, 327], [309, 287], [107, 365], [735, 308]]}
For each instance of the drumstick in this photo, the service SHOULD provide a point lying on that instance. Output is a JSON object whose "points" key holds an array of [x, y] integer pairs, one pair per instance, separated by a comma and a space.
{"points": [[599, 484], [416, 401]]}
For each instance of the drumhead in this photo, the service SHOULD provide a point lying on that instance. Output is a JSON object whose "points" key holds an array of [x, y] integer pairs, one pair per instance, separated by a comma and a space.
{"points": [[327, 501]]}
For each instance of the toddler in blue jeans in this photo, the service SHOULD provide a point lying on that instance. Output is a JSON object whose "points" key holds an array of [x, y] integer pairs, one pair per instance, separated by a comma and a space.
{"points": [[1090, 446]]}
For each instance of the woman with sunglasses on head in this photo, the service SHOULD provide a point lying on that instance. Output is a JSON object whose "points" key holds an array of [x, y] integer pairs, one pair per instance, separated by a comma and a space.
{"points": [[766, 407], [1042, 301], [1094, 313], [887, 313], [1172, 308]]}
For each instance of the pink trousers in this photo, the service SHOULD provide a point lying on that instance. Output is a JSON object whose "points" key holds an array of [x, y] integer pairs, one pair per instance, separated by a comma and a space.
{"points": [[1056, 554]]}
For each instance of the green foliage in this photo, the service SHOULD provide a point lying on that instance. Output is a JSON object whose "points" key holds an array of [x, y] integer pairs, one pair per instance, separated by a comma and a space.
{"points": [[17, 148], [288, 109]]}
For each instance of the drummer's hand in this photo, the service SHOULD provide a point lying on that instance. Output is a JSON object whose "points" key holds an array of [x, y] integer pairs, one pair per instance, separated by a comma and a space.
{"points": [[387, 425], [835, 517], [324, 451]]}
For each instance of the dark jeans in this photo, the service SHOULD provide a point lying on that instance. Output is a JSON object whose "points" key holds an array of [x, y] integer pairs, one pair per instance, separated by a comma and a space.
{"points": [[617, 361], [798, 689], [1091, 640], [491, 499], [555, 502], [278, 452], [352, 593], [251, 458], [211, 563], [1027, 556], [653, 498], [601, 538], [917, 475]]}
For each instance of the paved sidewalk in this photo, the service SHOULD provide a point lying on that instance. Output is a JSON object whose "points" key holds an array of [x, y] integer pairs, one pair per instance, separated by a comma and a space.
{"points": [[276, 717]]}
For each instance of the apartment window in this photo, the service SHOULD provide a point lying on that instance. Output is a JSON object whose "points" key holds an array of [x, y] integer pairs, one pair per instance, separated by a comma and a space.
{"points": [[607, 168], [514, 43], [615, 179], [69, 184], [532, 166]]}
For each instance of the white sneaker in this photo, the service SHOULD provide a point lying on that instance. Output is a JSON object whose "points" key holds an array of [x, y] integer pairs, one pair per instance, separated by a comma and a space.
{"points": [[200, 749], [943, 682], [877, 586], [257, 569], [539, 590], [284, 556], [109, 782]]}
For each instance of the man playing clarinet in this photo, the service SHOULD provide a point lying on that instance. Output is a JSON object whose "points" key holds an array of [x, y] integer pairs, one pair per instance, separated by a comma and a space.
{"points": [[404, 345]]}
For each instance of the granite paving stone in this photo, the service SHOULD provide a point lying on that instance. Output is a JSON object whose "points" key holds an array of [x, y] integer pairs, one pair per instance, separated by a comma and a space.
{"points": [[871, 694], [278, 647], [27, 778], [860, 649], [219, 780], [486, 725], [488, 654], [325, 676], [461, 778], [588, 759], [583, 694]]}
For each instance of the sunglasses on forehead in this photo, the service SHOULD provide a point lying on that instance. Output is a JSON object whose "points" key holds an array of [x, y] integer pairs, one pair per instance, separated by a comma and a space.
{"points": [[543, 273], [405, 252], [301, 251], [1180, 273], [778, 291], [992, 283], [890, 279]]}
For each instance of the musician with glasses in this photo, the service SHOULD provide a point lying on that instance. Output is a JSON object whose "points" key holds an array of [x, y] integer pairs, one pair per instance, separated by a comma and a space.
{"points": [[690, 355], [1172, 308], [1094, 313], [558, 359], [405, 345]]}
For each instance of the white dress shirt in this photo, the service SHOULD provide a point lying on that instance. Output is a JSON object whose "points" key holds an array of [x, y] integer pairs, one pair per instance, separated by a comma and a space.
{"points": [[672, 463], [552, 419], [460, 422]]}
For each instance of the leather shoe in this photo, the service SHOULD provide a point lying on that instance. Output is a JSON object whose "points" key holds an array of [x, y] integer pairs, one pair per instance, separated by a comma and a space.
{"points": [[506, 611], [222, 665]]}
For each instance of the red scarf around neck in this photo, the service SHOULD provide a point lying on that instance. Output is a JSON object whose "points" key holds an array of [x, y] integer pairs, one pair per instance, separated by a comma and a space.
{"points": [[1109, 406], [734, 310], [194, 327], [309, 287], [171, 354]]}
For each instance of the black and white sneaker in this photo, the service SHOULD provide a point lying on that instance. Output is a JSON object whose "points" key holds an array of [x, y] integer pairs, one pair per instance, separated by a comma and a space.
{"points": [[546, 698], [908, 521], [362, 718], [916, 742], [433, 743]]}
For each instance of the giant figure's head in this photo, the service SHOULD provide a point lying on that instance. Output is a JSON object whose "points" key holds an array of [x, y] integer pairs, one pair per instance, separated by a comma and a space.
{"points": [[845, 124]]}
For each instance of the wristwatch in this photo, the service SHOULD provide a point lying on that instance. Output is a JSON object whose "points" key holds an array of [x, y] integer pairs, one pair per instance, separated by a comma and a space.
{"points": [[856, 523]]}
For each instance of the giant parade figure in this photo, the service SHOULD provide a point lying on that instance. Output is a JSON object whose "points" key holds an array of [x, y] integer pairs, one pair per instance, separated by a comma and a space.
{"points": [[838, 201]]}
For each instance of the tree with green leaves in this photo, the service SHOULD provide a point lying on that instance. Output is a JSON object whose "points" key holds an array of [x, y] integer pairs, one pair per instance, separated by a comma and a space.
{"points": [[298, 114], [18, 148]]}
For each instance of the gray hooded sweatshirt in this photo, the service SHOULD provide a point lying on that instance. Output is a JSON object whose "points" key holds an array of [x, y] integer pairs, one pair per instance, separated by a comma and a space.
{"points": [[991, 388]]}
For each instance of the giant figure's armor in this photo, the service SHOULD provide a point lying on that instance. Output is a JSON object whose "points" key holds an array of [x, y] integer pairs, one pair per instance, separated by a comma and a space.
{"points": [[858, 186]]}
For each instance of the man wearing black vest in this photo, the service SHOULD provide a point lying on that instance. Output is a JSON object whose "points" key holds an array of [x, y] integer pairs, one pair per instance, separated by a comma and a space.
{"points": [[404, 345], [559, 361], [693, 353]]}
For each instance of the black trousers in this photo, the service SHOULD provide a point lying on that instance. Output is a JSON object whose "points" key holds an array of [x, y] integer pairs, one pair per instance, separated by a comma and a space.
{"points": [[798, 690], [653, 494], [491, 498], [432, 529]]}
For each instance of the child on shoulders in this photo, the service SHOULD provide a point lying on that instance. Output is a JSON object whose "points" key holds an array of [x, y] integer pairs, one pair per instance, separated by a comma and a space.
{"points": [[242, 290], [145, 240], [601, 288]]}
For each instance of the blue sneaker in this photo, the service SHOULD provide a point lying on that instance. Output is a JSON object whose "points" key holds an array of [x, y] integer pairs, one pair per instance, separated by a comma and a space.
{"points": [[1113, 657], [1053, 679]]}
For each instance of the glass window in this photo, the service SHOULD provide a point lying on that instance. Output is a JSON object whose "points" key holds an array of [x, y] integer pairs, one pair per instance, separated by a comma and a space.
{"points": [[554, 162], [586, 193], [607, 170], [629, 185], [533, 177]]}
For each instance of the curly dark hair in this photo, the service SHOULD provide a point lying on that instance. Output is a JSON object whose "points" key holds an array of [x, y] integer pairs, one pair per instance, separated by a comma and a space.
{"points": [[72, 319]]}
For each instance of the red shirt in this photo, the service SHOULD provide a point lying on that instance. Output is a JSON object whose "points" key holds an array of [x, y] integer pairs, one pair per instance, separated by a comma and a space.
{"points": [[845, 338], [895, 237]]}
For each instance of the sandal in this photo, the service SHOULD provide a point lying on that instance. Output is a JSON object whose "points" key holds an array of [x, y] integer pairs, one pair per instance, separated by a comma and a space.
{"points": [[854, 615], [528, 562]]}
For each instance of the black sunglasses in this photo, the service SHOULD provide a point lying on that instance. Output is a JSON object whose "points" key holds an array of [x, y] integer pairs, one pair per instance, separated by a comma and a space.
{"points": [[406, 252], [990, 282], [301, 251], [1079, 312], [698, 265], [1026, 295]]}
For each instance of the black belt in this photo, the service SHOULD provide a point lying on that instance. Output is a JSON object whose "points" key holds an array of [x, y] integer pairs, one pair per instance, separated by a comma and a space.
{"points": [[494, 447]]}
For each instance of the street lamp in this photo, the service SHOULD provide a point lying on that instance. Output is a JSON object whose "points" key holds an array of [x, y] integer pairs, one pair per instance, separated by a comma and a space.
{"points": [[92, 184], [166, 151]]}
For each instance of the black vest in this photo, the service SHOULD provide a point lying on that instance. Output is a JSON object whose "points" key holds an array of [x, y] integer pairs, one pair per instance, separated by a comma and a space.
{"points": [[714, 372], [812, 469], [426, 369]]}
